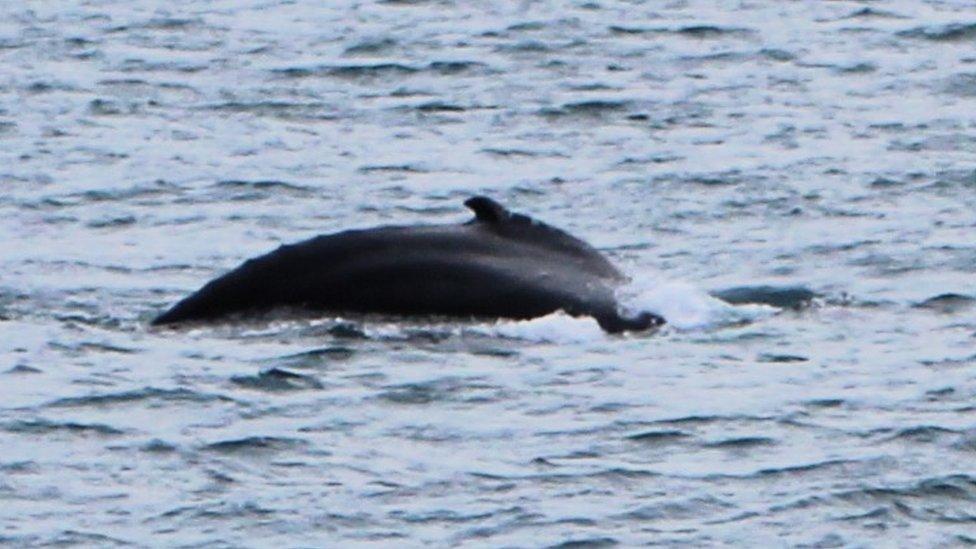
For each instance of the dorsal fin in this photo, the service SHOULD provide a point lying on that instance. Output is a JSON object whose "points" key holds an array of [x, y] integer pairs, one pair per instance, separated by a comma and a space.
{"points": [[494, 217], [487, 210]]}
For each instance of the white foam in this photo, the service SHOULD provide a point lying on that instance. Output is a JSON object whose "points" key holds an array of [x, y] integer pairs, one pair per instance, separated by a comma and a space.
{"points": [[557, 327], [683, 305]]}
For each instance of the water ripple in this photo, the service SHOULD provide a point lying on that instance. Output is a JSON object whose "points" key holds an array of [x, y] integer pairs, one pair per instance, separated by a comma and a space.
{"points": [[818, 180]]}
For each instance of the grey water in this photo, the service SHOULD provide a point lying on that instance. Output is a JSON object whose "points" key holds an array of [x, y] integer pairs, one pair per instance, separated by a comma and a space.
{"points": [[788, 148]]}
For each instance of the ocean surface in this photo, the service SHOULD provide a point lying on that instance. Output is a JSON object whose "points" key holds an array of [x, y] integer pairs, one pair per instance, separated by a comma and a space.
{"points": [[813, 163]]}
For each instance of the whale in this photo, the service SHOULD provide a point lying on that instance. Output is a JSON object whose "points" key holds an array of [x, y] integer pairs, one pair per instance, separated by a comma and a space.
{"points": [[498, 265]]}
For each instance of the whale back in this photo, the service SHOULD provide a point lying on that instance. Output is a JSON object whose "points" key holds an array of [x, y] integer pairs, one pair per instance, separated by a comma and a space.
{"points": [[500, 264]]}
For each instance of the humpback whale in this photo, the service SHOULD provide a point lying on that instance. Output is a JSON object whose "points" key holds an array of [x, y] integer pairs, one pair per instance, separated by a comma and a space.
{"points": [[500, 264]]}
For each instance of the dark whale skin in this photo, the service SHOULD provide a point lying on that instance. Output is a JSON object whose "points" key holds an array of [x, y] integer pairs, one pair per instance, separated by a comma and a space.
{"points": [[498, 265]]}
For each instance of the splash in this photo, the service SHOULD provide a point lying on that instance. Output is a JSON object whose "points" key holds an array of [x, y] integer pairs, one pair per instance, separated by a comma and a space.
{"points": [[684, 305], [557, 327]]}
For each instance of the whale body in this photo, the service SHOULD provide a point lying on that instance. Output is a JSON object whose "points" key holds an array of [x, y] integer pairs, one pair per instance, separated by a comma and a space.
{"points": [[498, 265]]}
